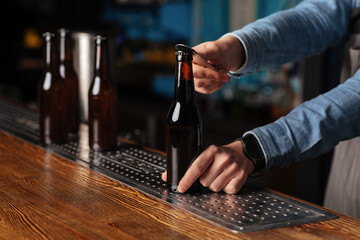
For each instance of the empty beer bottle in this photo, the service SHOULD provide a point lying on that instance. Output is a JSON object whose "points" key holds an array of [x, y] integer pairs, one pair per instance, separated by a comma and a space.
{"points": [[51, 97], [70, 77], [184, 130], [102, 101]]}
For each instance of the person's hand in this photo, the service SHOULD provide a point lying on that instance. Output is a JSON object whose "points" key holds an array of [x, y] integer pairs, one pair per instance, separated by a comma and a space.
{"points": [[219, 168], [226, 54]]}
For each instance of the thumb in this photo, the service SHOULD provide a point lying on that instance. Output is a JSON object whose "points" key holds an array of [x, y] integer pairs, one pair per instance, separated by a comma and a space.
{"points": [[164, 176], [207, 50]]}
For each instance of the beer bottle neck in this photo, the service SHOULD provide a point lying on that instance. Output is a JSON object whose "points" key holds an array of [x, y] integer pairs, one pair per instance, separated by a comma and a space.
{"points": [[65, 50], [184, 82], [51, 57], [102, 65], [65, 45]]}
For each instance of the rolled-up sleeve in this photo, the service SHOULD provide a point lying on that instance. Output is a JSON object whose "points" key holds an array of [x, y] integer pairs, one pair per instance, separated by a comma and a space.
{"points": [[290, 35], [314, 127]]}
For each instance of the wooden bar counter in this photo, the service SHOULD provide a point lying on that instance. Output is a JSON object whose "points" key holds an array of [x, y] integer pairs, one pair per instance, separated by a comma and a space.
{"points": [[46, 196]]}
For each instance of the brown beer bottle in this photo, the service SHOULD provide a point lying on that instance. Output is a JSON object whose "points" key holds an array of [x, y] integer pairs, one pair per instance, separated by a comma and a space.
{"points": [[70, 77], [51, 97], [102, 101], [184, 130]]}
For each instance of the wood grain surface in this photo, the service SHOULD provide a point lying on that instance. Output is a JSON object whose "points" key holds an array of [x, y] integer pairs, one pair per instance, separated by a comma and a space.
{"points": [[45, 196]]}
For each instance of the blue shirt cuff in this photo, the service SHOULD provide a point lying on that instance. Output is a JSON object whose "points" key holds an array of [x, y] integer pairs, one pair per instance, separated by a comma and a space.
{"points": [[252, 46]]}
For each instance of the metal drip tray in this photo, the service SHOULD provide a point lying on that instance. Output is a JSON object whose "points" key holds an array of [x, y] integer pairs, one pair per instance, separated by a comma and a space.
{"points": [[254, 208]]}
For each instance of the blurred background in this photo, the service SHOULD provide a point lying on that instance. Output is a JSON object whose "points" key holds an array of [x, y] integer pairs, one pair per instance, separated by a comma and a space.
{"points": [[143, 34]]}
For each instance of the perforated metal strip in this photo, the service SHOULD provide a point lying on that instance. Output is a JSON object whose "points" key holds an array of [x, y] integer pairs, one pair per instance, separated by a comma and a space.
{"points": [[253, 209]]}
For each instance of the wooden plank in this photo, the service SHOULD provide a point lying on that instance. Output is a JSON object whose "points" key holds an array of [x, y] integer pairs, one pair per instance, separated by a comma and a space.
{"points": [[57, 196], [43, 195]]}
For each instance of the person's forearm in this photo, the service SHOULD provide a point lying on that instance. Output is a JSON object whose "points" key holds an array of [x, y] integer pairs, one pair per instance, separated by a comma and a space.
{"points": [[293, 34]]}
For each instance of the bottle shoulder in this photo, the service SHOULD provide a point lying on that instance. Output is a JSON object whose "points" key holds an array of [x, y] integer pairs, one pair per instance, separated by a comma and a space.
{"points": [[99, 87], [181, 113], [50, 81], [68, 72]]}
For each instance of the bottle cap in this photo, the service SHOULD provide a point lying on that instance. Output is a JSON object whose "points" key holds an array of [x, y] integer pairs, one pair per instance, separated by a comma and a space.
{"points": [[63, 31], [182, 53], [48, 35], [182, 49], [98, 38]]}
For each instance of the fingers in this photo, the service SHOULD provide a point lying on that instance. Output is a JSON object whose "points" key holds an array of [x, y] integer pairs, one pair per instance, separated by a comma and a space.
{"points": [[164, 176], [200, 71], [212, 53], [219, 168], [226, 53], [216, 181], [224, 174], [205, 86], [208, 50], [196, 169], [229, 181], [235, 185], [207, 80]]}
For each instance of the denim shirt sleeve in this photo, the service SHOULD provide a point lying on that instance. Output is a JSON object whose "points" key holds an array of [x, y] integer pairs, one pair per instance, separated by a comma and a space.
{"points": [[293, 34], [314, 127]]}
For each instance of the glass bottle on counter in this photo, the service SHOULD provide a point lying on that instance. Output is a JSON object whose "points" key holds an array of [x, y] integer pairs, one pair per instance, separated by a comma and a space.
{"points": [[102, 102], [52, 97], [70, 77], [184, 127]]}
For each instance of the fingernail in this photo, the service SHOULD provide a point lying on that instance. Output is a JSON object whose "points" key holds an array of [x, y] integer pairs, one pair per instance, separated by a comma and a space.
{"points": [[181, 189]]}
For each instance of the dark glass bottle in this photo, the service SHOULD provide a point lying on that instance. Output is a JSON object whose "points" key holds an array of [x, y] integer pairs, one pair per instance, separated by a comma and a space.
{"points": [[102, 101], [184, 131], [70, 77], [52, 96]]}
